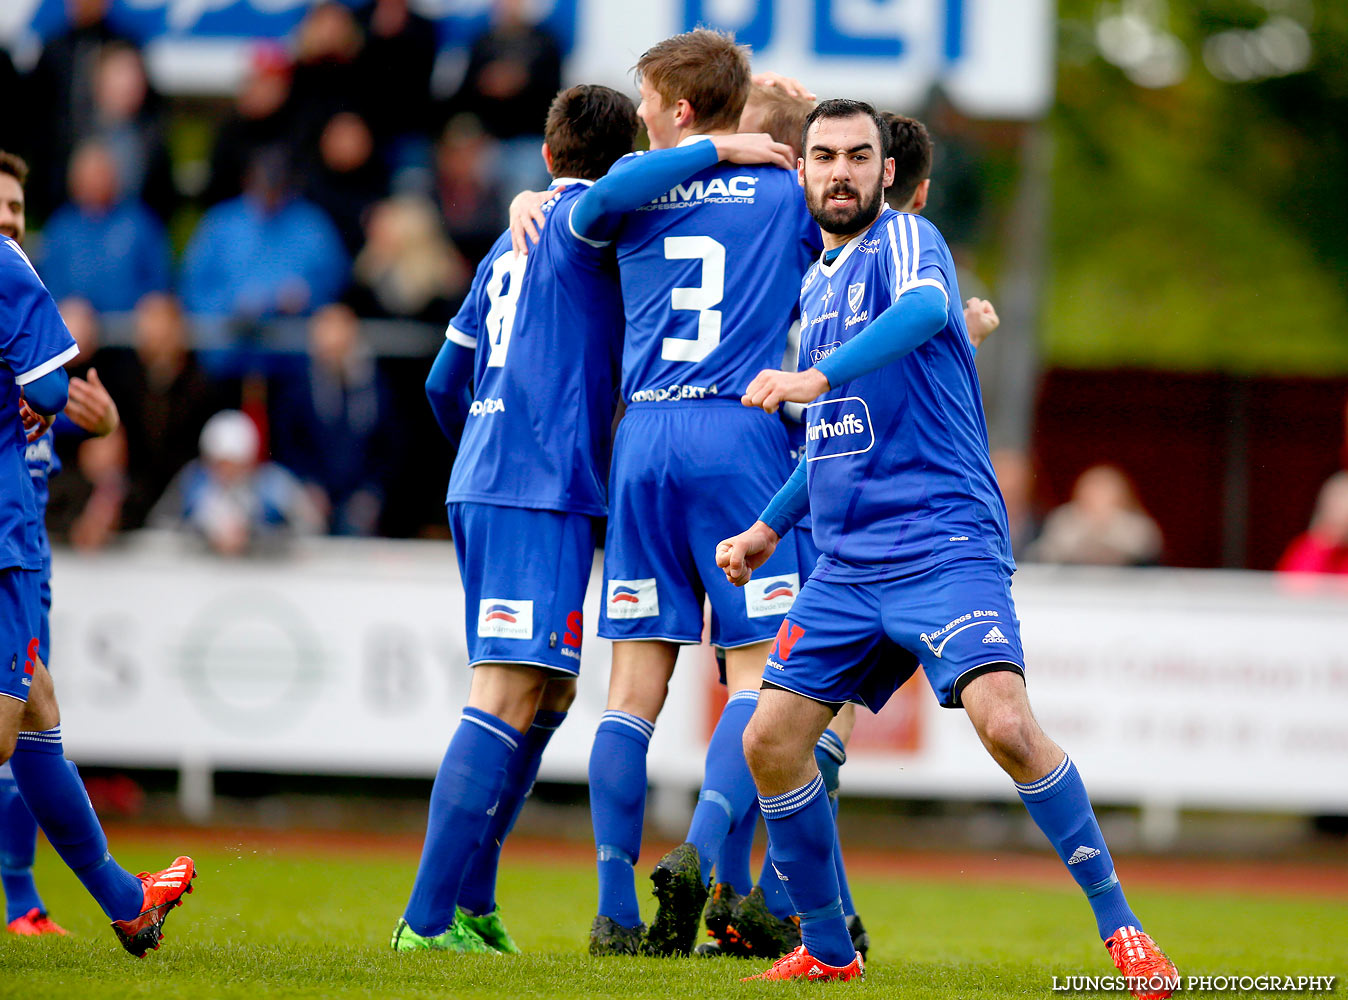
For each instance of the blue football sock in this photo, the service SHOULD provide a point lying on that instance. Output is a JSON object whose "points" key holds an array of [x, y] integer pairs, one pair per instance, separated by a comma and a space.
{"points": [[463, 799], [801, 832], [478, 893], [18, 848], [55, 796], [732, 863], [618, 809], [774, 893], [831, 755], [727, 786], [1059, 805]]}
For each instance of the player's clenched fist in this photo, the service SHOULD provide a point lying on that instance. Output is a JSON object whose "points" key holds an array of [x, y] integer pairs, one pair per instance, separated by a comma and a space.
{"points": [[980, 319], [770, 388], [739, 556]]}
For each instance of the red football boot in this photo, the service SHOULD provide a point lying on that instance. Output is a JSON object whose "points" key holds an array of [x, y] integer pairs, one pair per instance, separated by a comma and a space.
{"points": [[163, 891], [35, 922], [800, 964], [1149, 973]]}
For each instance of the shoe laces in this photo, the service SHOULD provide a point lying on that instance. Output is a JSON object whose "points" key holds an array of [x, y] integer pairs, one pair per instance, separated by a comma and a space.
{"points": [[1136, 954]]}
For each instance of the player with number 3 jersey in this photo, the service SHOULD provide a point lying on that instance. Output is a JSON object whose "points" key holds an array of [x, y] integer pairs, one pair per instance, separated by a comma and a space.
{"points": [[711, 240]]}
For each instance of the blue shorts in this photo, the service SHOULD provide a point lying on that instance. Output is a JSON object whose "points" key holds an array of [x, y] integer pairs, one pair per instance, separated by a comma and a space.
{"points": [[20, 615], [524, 577], [685, 476], [860, 641]]}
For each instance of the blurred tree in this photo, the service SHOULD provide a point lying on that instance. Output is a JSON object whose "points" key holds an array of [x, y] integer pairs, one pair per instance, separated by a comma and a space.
{"points": [[1200, 224]]}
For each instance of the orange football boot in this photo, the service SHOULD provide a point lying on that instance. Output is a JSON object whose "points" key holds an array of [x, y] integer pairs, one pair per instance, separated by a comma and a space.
{"points": [[800, 964], [35, 922], [1150, 975]]}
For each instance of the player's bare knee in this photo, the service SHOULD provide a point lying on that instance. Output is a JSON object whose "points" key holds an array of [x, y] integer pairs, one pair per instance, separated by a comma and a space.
{"points": [[558, 695], [1009, 733]]}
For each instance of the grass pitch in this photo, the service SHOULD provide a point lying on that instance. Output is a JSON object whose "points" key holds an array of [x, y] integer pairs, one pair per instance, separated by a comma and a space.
{"points": [[285, 922]]}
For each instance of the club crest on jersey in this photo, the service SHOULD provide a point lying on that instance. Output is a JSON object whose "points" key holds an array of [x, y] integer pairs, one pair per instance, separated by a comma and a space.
{"points": [[772, 595], [632, 599], [835, 428], [505, 618], [855, 293]]}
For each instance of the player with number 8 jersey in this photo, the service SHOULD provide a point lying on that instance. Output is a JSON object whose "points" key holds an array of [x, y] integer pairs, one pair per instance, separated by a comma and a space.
{"points": [[538, 335]]}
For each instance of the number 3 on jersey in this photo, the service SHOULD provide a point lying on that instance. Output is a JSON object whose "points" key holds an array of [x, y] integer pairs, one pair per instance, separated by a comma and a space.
{"points": [[507, 277], [701, 299]]}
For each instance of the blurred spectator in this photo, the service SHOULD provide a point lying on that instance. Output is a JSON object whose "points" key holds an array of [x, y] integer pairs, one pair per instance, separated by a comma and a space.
{"points": [[332, 428], [407, 269], [165, 400], [261, 120], [327, 70], [81, 320], [1323, 548], [125, 123], [15, 132], [235, 503], [467, 189], [61, 96], [1102, 525], [1015, 478], [348, 178], [265, 253], [109, 249], [514, 71], [396, 66]]}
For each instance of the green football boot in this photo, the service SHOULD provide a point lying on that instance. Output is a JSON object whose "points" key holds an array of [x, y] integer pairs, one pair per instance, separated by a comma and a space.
{"points": [[491, 929], [458, 937]]}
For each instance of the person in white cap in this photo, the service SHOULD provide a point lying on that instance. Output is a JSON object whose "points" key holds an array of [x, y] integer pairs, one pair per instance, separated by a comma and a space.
{"points": [[235, 502]]}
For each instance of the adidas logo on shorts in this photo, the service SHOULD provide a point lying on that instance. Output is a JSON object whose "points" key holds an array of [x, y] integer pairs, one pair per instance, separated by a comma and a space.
{"points": [[995, 635]]}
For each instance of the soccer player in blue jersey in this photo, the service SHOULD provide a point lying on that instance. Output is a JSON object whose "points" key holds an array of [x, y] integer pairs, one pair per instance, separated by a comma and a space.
{"points": [[916, 565], [539, 336], [34, 344], [709, 254], [760, 922]]}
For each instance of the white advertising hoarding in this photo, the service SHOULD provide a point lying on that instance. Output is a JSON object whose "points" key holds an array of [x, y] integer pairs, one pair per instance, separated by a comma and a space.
{"points": [[1176, 688]]}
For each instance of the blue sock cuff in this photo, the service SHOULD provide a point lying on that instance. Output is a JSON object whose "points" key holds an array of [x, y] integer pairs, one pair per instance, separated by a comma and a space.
{"points": [[711, 795], [546, 718], [742, 696], [780, 806], [46, 741], [504, 732], [607, 852], [1049, 785], [831, 743], [827, 912], [629, 725], [1104, 885]]}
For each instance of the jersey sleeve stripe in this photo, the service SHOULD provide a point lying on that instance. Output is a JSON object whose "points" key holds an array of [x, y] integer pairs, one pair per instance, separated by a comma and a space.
{"points": [[898, 267], [927, 281], [48, 366], [916, 258], [597, 244], [457, 336]]}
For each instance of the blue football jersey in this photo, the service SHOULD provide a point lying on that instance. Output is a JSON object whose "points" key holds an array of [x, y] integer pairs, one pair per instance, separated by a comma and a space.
{"points": [[43, 463], [710, 273], [33, 341], [899, 474], [546, 328]]}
